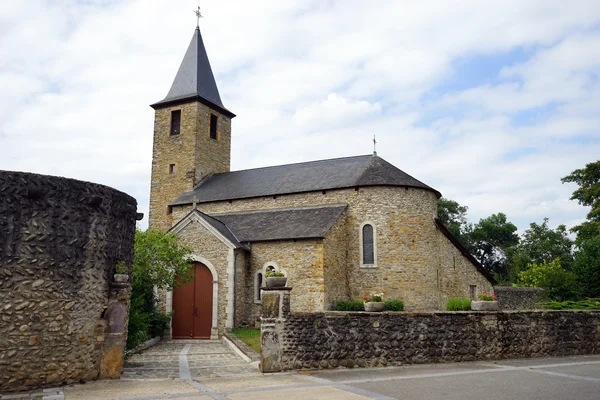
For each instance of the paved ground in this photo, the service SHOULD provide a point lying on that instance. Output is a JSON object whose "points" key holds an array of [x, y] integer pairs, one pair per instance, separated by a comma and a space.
{"points": [[543, 379], [186, 359]]}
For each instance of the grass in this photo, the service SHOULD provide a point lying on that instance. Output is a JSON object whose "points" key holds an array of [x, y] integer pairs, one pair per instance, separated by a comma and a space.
{"points": [[249, 336], [588, 304], [458, 304]]}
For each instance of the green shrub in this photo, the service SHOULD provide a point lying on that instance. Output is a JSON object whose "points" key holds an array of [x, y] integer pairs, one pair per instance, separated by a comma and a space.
{"points": [[558, 283], [588, 304], [394, 305], [349, 305], [458, 304]]}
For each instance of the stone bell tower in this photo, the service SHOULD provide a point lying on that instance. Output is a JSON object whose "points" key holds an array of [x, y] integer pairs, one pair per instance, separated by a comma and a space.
{"points": [[192, 134]]}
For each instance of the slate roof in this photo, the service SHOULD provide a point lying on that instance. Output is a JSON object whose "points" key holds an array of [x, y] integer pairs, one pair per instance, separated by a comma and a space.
{"points": [[338, 173], [194, 80], [280, 224], [222, 228]]}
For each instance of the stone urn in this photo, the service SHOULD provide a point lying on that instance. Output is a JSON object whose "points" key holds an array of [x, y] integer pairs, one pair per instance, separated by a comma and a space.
{"points": [[120, 278], [373, 306], [276, 281], [484, 305]]}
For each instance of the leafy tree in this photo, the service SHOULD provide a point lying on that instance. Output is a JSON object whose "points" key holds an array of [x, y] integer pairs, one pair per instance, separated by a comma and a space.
{"points": [[560, 284], [454, 217], [587, 267], [161, 261], [588, 194], [540, 244], [491, 238]]}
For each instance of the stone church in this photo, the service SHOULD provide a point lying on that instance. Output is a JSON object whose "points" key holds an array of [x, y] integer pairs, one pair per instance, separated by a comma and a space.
{"points": [[339, 228]]}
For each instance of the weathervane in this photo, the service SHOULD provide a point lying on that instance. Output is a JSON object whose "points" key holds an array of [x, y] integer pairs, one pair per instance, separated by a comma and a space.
{"points": [[198, 16], [374, 146]]}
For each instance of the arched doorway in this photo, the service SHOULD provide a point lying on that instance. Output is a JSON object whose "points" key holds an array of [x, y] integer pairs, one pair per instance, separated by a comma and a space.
{"points": [[193, 305]]}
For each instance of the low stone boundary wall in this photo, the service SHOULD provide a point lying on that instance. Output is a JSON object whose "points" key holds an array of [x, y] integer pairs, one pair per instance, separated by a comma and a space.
{"points": [[519, 298], [63, 318], [349, 339]]}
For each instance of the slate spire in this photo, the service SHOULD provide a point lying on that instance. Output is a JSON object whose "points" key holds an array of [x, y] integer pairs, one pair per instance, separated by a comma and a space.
{"points": [[195, 79]]}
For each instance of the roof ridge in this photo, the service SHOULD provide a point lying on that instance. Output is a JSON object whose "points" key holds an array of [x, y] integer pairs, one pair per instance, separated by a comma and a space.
{"points": [[297, 163], [224, 224]]}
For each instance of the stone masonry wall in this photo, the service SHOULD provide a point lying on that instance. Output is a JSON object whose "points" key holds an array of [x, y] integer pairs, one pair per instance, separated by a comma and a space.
{"points": [[337, 277], [519, 298], [457, 273], [302, 262], [62, 319], [193, 152], [407, 238], [333, 339]]}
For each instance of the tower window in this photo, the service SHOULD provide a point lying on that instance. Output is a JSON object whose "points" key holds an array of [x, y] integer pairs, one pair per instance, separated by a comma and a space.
{"points": [[213, 126], [171, 168], [175, 122]]}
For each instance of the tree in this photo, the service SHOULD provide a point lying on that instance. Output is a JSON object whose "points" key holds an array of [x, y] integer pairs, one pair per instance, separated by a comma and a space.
{"points": [[559, 284], [540, 244], [587, 267], [454, 217], [588, 194], [491, 238], [161, 261]]}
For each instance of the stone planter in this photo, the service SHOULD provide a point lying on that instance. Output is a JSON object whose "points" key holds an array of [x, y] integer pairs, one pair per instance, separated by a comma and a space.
{"points": [[372, 306], [276, 281], [256, 324], [121, 278], [484, 306]]}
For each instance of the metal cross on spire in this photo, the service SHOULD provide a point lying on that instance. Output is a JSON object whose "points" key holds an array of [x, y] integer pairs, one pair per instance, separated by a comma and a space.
{"points": [[374, 146], [198, 16]]}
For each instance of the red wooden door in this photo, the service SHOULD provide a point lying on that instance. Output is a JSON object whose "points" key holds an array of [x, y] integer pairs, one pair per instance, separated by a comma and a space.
{"points": [[192, 306]]}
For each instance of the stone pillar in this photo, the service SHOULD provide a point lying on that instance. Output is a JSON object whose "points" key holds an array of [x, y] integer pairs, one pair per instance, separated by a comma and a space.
{"points": [[115, 338], [275, 309]]}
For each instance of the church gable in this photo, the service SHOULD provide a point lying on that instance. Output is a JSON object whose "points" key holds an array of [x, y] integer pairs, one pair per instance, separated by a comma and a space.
{"points": [[209, 225]]}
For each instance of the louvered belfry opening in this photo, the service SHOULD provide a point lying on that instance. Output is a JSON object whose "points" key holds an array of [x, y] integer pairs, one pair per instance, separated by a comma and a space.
{"points": [[175, 122]]}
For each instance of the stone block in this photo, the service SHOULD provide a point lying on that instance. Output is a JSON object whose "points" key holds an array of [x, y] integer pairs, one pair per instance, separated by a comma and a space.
{"points": [[484, 306], [270, 304]]}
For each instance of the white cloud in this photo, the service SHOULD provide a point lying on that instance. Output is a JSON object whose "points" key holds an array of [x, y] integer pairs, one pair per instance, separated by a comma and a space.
{"points": [[319, 78]]}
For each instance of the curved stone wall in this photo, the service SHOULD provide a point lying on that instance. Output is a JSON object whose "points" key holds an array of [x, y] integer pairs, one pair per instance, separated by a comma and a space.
{"points": [[61, 316]]}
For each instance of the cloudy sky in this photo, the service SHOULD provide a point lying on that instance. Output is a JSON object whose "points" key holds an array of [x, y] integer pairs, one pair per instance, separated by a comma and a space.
{"points": [[490, 102]]}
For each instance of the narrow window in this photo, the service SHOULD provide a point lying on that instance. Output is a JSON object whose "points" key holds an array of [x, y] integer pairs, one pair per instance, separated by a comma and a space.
{"points": [[213, 126], [171, 168], [472, 291], [170, 210], [258, 285], [175, 122], [367, 245]]}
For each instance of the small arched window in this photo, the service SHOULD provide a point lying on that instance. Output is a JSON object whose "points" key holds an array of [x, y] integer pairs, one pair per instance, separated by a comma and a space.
{"points": [[259, 279], [368, 244]]}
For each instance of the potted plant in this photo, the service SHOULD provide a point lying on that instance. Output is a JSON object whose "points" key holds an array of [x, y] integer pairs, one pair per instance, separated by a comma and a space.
{"points": [[121, 272], [485, 302], [275, 279], [257, 322], [374, 302]]}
